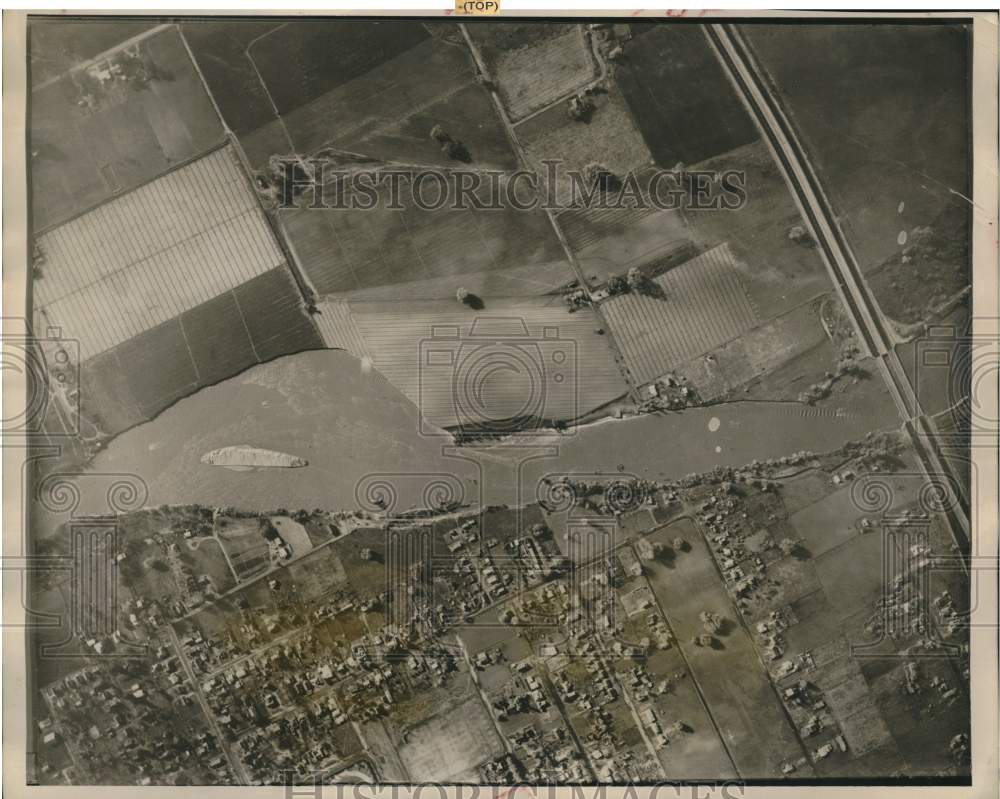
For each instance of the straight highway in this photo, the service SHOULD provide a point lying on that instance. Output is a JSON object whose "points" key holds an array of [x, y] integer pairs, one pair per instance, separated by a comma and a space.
{"points": [[873, 331]]}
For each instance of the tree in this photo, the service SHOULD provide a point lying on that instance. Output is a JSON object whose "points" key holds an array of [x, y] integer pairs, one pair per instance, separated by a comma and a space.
{"points": [[597, 174], [788, 546], [456, 151], [440, 135], [617, 285], [580, 108], [466, 297]]}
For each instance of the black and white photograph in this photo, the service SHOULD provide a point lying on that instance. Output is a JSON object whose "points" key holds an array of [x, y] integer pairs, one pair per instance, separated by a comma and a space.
{"points": [[472, 400]]}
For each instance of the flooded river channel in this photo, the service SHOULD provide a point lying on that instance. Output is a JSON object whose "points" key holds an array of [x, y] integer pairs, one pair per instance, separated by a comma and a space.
{"points": [[361, 439]]}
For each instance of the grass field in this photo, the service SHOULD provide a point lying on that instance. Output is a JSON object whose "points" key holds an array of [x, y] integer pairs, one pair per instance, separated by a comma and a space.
{"points": [[736, 689], [93, 137], [704, 305], [684, 105], [899, 143]]}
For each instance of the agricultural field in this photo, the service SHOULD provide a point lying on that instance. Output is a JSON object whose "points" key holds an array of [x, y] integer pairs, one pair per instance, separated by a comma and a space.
{"points": [[153, 254], [219, 48], [780, 274], [300, 61], [110, 127], [609, 241], [245, 545], [703, 305], [895, 152], [685, 107], [535, 64], [533, 384], [57, 44], [778, 359], [386, 111], [253, 323], [387, 254], [609, 137]]}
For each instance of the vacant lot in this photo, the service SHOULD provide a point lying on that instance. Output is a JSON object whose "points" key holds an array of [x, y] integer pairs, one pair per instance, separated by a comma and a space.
{"points": [[449, 747], [113, 126], [703, 305], [686, 108]]}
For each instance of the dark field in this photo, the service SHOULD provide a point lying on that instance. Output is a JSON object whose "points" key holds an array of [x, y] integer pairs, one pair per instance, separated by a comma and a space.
{"points": [[490, 35], [897, 143], [256, 322], [299, 61], [387, 113], [56, 44], [350, 250], [220, 48], [684, 105], [132, 131]]}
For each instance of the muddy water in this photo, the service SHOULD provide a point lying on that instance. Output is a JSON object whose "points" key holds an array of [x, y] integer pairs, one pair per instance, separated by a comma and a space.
{"points": [[361, 438]]}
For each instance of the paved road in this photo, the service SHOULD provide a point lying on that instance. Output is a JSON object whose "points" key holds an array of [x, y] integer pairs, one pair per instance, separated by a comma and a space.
{"points": [[874, 332]]}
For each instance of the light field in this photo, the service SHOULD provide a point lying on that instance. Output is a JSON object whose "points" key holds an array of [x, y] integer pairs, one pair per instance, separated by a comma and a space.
{"points": [[705, 305], [153, 254], [532, 77], [399, 335]]}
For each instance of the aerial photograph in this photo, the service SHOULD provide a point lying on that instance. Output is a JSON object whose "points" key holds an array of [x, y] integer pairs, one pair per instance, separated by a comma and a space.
{"points": [[494, 401]]}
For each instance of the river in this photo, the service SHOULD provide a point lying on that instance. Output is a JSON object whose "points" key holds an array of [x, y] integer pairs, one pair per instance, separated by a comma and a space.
{"points": [[361, 438]]}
